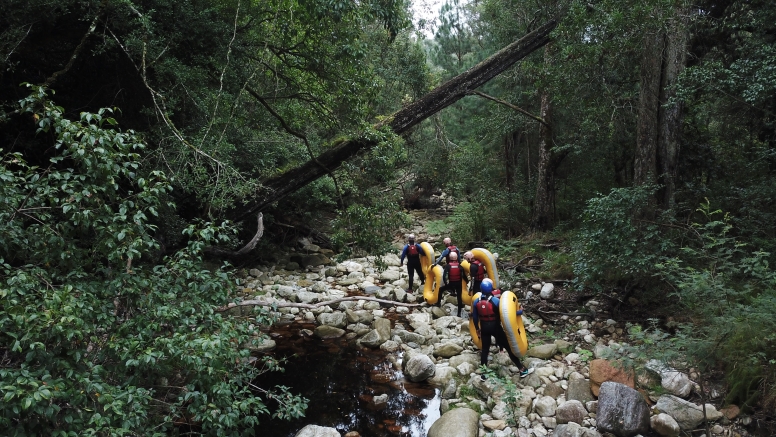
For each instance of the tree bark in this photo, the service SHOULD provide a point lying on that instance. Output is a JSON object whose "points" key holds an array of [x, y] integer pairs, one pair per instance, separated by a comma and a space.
{"points": [[400, 122], [671, 114], [644, 168], [545, 178]]}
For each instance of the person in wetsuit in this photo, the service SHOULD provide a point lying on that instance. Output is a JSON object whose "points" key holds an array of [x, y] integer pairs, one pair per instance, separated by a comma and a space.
{"points": [[453, 277], [476, 272], [449, 248], [413, 251], [487, 322]]}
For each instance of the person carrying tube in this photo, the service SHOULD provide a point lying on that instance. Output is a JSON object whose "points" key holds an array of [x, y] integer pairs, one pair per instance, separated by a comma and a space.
{"points": [[476, 272], [413, 251], [486, 319], [449, 248], [453, 277]]}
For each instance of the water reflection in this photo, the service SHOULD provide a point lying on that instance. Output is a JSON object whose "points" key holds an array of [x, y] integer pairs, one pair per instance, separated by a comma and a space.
{"points": [[341, 382]]}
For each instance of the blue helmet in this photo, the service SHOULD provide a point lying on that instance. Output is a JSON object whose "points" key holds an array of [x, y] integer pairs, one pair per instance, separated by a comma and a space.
{"points": [[486, 286]]}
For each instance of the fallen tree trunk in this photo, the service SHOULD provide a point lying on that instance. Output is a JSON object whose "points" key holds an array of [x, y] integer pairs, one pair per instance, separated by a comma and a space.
{"points": [[400, 123], [264, 303]]}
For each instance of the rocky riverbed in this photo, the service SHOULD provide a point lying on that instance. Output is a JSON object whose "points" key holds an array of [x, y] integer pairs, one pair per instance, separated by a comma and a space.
{"points": [[577, 388]]}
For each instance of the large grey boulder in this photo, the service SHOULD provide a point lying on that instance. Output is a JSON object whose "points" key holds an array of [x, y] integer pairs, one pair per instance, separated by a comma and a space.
{"points": [[337, 320], [318, 431], [459, 422], [419, 368], [571, 411], [621, 410], [687, 414]]}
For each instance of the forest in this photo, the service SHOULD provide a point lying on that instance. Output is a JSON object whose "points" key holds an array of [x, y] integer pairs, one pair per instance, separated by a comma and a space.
{"points": [[140, 140]]}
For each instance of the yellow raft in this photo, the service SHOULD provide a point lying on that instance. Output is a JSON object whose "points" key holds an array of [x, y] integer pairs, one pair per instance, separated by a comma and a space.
{"points": [[433, 274], [510, 321]]}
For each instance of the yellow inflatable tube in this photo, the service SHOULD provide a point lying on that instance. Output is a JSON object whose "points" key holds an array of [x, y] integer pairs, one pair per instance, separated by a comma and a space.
{"points": [[472, 330], [433, 282], [428, 259], [512, 323]]}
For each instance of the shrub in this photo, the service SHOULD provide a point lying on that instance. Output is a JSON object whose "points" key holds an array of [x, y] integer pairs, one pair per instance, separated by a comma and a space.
{"points": [[614, 244], [97, 338]]}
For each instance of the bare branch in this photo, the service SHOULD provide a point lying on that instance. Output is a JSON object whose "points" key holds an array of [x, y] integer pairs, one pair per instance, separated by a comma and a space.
{"points": [[509, 105], [248, 247], [259, 302]]}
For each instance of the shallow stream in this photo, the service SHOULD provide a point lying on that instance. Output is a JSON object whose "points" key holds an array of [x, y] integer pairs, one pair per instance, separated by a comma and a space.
{"points": [[340, 381]]}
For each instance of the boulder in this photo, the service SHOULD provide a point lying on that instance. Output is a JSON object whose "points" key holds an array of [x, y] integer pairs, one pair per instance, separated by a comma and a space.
{"points": [[602, 370], [574, 430], [447, 350], [419, 368], [459, 422], [545, 406], [571, 411], [410, 337], [544, 351], [325, 331], [359, 316], [579, 389], [664, 425], [687, 414], [676, 383], [547, 291], [337, 320], [390, 275], [442, 376], [317, 431], [621, 410]]}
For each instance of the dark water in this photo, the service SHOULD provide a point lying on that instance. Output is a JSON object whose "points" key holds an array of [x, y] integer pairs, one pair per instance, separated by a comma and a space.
{"points": [[340, 381]]}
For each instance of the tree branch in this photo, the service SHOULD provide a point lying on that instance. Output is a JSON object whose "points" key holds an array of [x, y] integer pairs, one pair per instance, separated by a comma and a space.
{"points": [[50, 81], [509, 105], [248, 247]]}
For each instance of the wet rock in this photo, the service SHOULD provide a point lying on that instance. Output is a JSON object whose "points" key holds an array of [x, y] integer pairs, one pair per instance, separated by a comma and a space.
{"points": [[325, 331], [459, 422], [317, 431], [621, 410]]}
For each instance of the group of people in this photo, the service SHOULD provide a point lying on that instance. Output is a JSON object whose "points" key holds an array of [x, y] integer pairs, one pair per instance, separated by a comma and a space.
{"points": [[485, 309]]}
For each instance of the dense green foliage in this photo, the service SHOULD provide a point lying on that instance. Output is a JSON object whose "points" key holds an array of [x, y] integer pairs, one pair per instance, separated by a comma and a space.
{"points": [[99, 336]]}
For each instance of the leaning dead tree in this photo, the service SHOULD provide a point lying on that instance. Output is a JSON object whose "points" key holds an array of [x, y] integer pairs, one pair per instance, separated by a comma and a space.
{"points": [[400, 122]]}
